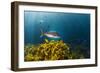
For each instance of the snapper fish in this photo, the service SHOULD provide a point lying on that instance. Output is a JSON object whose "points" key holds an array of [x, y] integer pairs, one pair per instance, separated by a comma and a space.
{"points": [[50, 34]]}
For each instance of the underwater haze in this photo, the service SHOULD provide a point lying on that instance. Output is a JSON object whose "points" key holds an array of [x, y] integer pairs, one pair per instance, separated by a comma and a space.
{"points": [[72, 28]]}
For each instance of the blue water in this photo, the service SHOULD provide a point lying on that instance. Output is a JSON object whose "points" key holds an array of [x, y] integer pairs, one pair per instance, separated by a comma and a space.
{"points": [[73, 28], [70, 26]]}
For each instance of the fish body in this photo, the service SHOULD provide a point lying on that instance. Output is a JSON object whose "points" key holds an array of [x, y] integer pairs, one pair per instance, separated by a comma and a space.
{"points": [[51, 35]]}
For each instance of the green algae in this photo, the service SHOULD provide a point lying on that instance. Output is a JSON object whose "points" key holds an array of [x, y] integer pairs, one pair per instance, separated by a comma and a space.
{"points": [[50, 50]]}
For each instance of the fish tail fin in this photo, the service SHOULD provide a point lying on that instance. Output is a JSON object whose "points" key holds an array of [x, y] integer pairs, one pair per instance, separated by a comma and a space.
{"points": [[42, 33]]}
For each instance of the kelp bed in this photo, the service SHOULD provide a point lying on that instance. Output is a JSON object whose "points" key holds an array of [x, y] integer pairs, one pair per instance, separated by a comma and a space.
{"points": [[50, 50]]}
